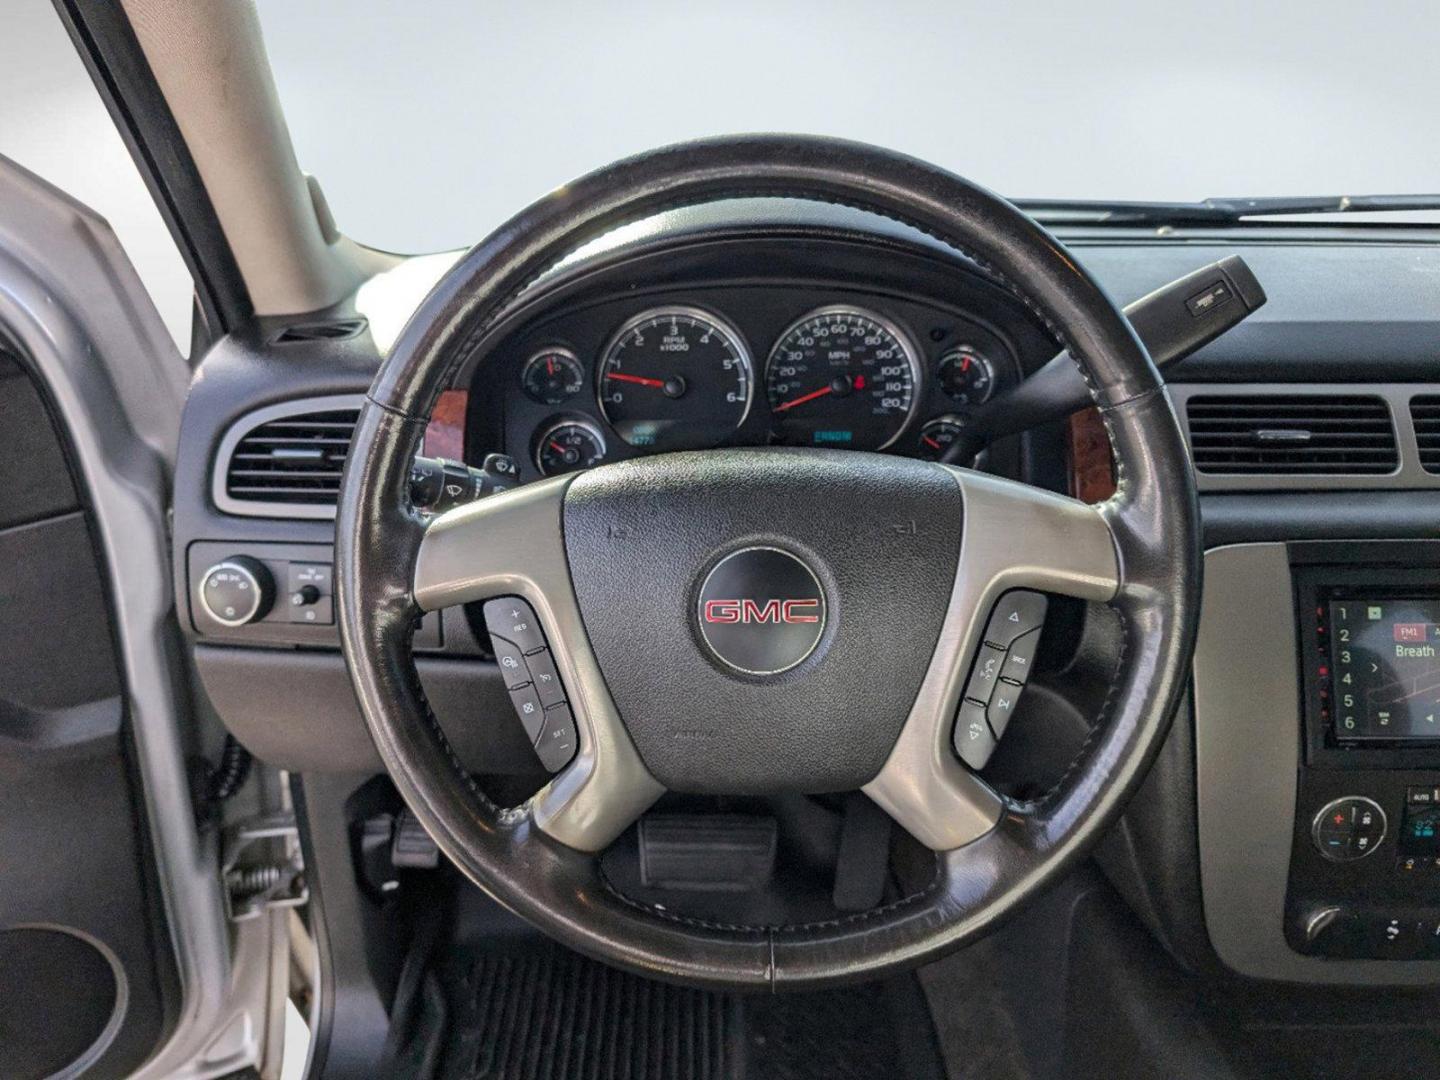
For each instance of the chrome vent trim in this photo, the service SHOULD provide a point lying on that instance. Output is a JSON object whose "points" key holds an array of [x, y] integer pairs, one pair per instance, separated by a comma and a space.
{"points": [[1288, 434], [309, 460], [1408, 472], [1425, 418]]}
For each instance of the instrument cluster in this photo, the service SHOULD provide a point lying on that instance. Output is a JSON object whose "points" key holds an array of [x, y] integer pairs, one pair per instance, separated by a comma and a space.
{"points": [[744, 368]]}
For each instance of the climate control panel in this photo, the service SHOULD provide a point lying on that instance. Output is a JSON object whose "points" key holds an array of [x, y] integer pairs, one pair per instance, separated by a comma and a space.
{"points": [[1365, 867]]}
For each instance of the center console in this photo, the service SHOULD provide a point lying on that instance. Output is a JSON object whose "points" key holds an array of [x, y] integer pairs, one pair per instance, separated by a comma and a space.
{"points": [[1365, 861], [1316, 704]]}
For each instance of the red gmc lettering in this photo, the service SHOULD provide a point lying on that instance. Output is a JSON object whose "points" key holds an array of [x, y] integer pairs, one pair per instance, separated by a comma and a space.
{"points": [[722, 611], [794, 608], [748, 611]]}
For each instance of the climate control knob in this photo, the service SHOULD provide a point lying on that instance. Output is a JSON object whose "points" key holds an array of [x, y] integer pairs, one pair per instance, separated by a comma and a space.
{"points": [[1348, 828], [237, 591]]}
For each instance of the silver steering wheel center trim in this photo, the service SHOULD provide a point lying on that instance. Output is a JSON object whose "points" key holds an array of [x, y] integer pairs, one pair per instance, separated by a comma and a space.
{"points": [[1015, 537], [512, 544]]}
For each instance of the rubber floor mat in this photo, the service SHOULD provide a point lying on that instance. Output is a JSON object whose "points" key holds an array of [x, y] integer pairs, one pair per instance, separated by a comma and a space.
{"points": [[543, 1013], [540, 1012]]}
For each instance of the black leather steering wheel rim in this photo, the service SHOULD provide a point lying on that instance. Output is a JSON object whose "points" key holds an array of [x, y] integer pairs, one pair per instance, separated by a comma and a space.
{"points": [[1153, 519]]}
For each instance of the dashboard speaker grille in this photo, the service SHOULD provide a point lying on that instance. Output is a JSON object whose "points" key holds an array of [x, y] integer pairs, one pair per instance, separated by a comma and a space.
{"points": [[1289, 434], [294, 460], [1425, 414]]}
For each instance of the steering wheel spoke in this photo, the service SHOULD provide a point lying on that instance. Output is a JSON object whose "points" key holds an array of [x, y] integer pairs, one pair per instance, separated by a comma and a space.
{"points": [[512, 545], [1016, 537]]}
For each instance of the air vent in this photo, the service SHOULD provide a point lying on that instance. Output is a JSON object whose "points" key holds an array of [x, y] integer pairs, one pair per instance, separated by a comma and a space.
{"points": [[1425, 413], [286, 460], [1290, 434], [320, 331]]}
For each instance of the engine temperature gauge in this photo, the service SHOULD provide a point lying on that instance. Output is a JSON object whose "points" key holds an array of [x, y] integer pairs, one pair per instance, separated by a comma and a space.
{"points": [[967, 376], [569, 445], [552, 376], [937, 435]]}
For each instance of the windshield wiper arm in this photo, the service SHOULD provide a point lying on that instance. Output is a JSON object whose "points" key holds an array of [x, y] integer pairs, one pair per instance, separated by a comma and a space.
{"points": [[1217, 211]]}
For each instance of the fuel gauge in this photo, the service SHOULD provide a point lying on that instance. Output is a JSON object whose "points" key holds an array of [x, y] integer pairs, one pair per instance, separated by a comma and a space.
{"points": [[569, 445]]}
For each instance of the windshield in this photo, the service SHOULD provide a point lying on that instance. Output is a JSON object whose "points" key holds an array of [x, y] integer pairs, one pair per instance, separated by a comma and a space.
{"points": [[429, 123]]}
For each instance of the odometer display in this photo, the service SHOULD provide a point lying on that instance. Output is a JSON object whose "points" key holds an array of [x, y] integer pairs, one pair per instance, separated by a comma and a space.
{"points": [[675, 378], [842, 377]]}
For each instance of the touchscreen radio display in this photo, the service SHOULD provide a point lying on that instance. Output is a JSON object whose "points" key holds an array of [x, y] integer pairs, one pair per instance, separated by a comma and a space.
{"points": [[1385, 666]]}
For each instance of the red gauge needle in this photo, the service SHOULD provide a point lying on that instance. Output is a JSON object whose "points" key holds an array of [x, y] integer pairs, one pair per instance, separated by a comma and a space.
{"points": [[638, 380], [804, 398], [931, 442], [556, 447], [549, 365]]}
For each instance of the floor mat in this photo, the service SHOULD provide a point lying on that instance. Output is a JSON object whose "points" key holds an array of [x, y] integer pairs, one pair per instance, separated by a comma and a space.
{"points": [[539, 1012]]}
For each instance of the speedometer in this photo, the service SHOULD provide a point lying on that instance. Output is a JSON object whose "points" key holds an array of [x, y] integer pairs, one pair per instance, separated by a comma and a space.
{"points": [[842, 376], [674, 378]]}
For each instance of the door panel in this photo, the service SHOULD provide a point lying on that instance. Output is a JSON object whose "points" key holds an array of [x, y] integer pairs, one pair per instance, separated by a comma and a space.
{"points": [[86, 977]]}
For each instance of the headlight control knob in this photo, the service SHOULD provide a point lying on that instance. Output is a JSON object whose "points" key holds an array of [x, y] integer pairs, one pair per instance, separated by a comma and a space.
{"points": [[237, 591]]}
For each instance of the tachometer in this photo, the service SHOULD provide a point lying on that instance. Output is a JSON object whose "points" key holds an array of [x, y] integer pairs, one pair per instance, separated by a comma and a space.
{"points": [[842, 377], [675, 377]]}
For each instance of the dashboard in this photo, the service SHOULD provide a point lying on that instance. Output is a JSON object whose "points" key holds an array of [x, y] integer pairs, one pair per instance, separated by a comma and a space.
{"points": [[790, 324]]}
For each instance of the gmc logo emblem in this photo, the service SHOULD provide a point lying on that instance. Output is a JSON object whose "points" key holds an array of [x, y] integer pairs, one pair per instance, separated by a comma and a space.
{"points": [[772, 611]]}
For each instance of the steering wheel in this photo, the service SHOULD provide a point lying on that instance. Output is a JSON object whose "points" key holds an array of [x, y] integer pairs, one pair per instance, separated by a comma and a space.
{"points": [[895, 566]]}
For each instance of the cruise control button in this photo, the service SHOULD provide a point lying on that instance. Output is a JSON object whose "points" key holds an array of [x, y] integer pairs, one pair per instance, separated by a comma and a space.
{"points": [[1017, 613], [986, 673], [1002, 704], [545, 678], [511, 661], [1021, 656], [973, 740], [557, 742], [514, 620], [531, 712]]}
